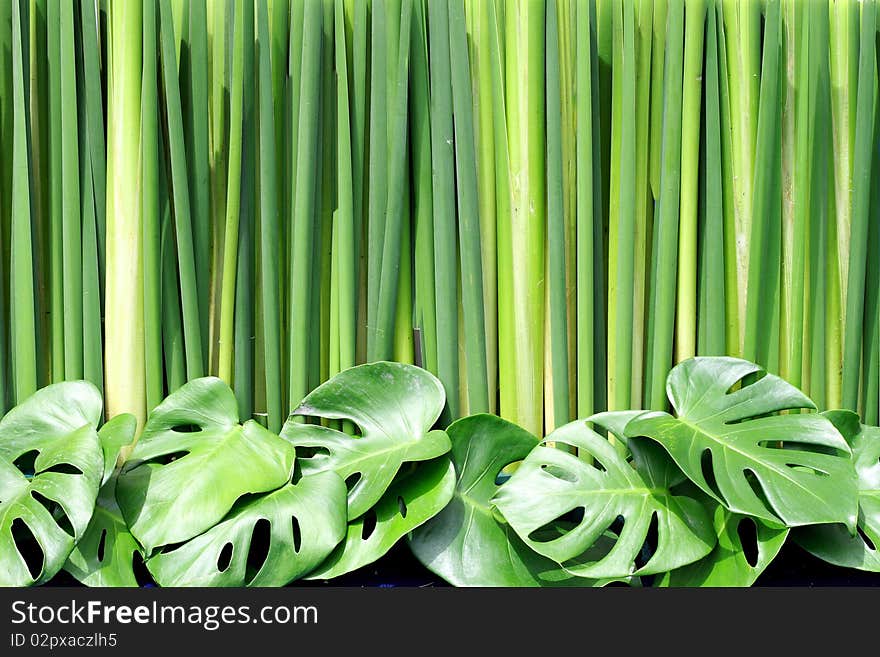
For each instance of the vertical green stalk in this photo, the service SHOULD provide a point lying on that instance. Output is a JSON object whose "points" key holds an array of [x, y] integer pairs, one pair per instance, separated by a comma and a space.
{"points": [[195, 110], [444, 199], [861, 195], [304, 203], [392, 244], [686, 309], [420, 107], [378, 166], [762, 301], [71, 226], [742, 24], [23, 329], [124, 346], [56, 239], [711, 319], [555, 260], [482, 85], [526, 114], [186, 256], [91, 50], [662, 293], [233, 202], [622, 219], [468, 214], [269, 228], [93, 361], [153, 363], [243, 331]]}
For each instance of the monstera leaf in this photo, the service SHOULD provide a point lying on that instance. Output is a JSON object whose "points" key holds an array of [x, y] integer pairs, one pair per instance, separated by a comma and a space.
{"points": [[411, 500], [792, 469], [467, 544], [193, 461], [394, 405], [303, 522], [105, 554], [745, 548], [834, 543], [50, 471], [552, 483], [115, 435]]}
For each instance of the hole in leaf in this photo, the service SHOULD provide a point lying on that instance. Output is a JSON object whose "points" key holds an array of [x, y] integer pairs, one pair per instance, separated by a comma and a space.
{"points": [[748, 538], [806, 469], [867, 539], [258, 552], [747, 380], [369, 525], [559, 473], [225, 558], [709, 472], [25, 462], [757, 488], [141, 574], [28, 547], [102, 543], [649, 547], [352, 480], [401, 506], [311, 451], [186, 428], [297, 534], [55, 510], [558, 527], [64, 468]]}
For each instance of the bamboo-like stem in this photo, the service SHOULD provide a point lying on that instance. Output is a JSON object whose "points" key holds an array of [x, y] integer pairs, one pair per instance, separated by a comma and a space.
{"points": [[304, 208], [666, 225], [442, 155], [153, 363], [861, 194], [22, 315], [686, 299], [124, 345], [525, 123], [269, 229]]}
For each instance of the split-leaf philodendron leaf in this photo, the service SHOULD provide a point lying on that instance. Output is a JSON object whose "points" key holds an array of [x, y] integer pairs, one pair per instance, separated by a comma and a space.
{"points": [[412, 499], [193, 461], [731, 562], [467, 543], [115, 435], [105, 555], [50, 471], [302, 523], [734, 444], [551, 483], [834, 543], [393, 404]]}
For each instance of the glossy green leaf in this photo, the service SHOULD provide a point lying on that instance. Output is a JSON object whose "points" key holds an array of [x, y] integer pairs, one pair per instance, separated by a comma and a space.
{"points": [[468, 543], [735, 445], [730, 563], [305, 520], [114, 435], [413, 498], [833, 542], [394, 406], [105, 554], [193, 461], [50, 496], [552, 483]]}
